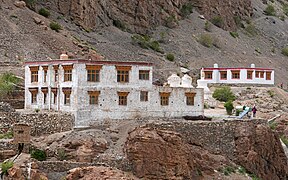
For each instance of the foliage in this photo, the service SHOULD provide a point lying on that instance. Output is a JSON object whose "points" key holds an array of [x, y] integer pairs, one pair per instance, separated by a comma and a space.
{"points": [[55, 26], [186, 9], [234, 34], [285, 51], [120, 25], [171, 21], [170, 57], [206, 106], [5, 166], [273, 125], [242, 170], [61, 154], [38, 154], [238, 111], [284, 140], [206, 40], [270, 10], [7, 135], [237, 21], [285, 9], [8, 83], [30, 3], [217, 21], [44, 12], [227, 170], [271, 93], [224, 94], [251, 30], [146, 42], [229, 107], [208, 26]]}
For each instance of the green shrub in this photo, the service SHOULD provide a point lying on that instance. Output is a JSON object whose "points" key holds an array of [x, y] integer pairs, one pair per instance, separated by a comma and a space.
{"points": [[229, 107], [30, 3], [238, 111], [284, 140], [238, 21], [146, 42], [208, 26], [206, 40], [242, 170], [227, 170], [7, 135], [224, 94], [186, 10], [120, 25], [170, 57], [270, 11], [38, 154], [285, 9], [217, 21], [271, 93], [44, 12], [171, 21], [273, 125], [285, 51], [234, 34], [55, 26], [5, 166], [251, 30], [8, 83], [61, 154], [155, 46]]}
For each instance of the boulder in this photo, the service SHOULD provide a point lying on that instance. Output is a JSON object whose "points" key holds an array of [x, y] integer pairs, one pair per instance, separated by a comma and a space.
{"points": [[20, 4]]}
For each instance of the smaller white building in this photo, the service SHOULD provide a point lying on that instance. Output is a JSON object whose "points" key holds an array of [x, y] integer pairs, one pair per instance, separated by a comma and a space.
{"points": [[233, 75]]}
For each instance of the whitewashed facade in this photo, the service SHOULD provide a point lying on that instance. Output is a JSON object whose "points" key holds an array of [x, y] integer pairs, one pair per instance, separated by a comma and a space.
{"points": [[98, 90], [250, 75]]}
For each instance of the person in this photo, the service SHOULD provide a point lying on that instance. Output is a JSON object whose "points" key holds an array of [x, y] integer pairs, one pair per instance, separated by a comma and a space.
{"points": [[254, 111]]}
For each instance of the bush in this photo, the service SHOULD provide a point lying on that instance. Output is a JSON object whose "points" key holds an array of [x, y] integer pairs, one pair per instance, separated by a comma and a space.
{"points": [[170, 57], [238, 112], [155, 46], [270, 11], [5, 166], [284, 140], [61, 154], [146, 42], [44, 12], [217, 21], [30, 3], [186, 10], [234, 34], [229, 107], [38, 154], [285, 9], [117, 23], [206, 40], [237, 21], [227, 170], [251, 30], [55, 26], [224, 94], [285, 51], [242, 170], [271, 93], [8, 83], [273, 125], [7, 135], [208, 26]]}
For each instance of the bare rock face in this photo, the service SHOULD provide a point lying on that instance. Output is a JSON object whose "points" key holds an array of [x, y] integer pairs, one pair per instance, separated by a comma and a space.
{"points": [[259, 151], [98, 173], [140, 16], [160, 154]]}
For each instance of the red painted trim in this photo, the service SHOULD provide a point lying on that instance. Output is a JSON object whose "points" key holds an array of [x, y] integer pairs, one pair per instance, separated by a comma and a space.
{"points": [[221, 69], [82, 61]]}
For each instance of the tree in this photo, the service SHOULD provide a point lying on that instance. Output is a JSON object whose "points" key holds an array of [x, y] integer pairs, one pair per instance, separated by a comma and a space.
{"points": [[8, 83], [224, 94]]}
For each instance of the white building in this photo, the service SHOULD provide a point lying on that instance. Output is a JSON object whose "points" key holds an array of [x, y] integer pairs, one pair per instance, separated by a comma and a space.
{"points": [[98, 90], [250, 75]]}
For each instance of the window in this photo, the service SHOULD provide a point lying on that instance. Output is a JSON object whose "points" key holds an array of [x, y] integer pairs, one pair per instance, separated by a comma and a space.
{"points": [[164, 98], [34, 74], [93, 97], [249, 74], [45, 92], [123, 73], [34, 92], [268, 75], [54, 91], [144, 74], [143, 95], [123, 98], [93, 73], [56, 73], [259, 74], [45, 69], [67, 94], [208, 74], [235, 74], [190, 98], [223, 75], [68, 72]]}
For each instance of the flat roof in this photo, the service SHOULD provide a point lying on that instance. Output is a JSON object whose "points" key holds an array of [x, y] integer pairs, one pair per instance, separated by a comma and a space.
{"points": [[85, 61], [235, 68]]}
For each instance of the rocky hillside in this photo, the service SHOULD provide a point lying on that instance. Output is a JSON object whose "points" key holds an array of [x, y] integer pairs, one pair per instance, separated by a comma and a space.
{"points": [[107, 27]]}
